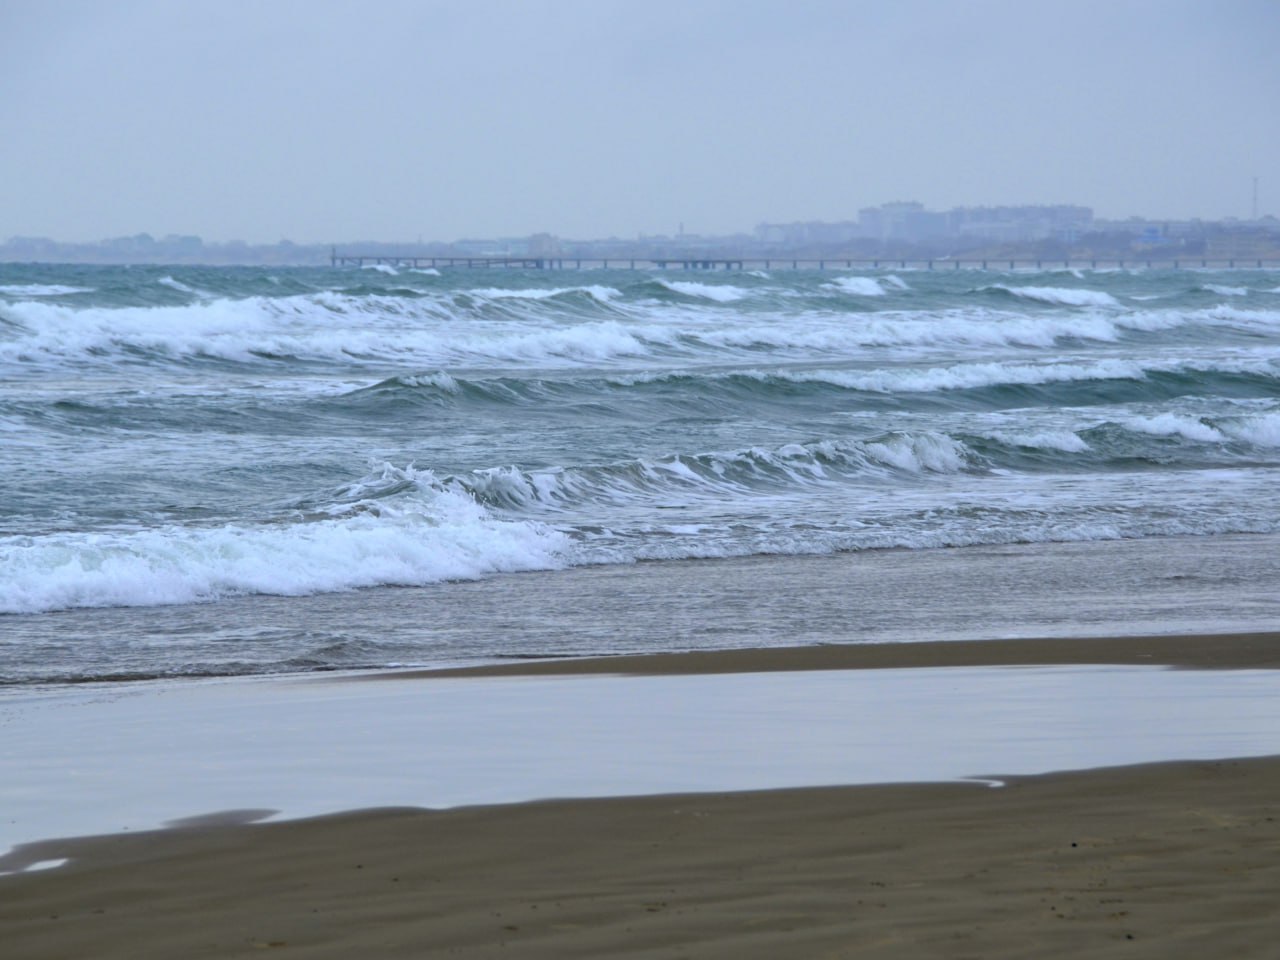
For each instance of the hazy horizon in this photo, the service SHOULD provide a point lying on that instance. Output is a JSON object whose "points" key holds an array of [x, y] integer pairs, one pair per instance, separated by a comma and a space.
{"points": [[311, 122]]}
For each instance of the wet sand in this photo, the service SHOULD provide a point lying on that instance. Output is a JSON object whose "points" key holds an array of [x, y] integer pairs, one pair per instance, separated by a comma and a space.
{"points": [[1167, 860], [1175, 860], [1204, 651]]}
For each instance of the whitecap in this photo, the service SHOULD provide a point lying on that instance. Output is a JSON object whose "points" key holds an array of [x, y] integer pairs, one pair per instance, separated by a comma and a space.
{"points": [[427, 536], [1261, 431], [439, 380], [859, 286], [1064, 441], [918, 453], [1175, 425], [720, 293], [178, 285], [1062, 296], [596, 292], [40, 289], [968, 376]]}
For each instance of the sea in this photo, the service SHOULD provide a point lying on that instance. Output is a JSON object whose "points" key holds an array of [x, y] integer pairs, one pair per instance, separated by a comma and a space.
{"points": [[232, 471]]}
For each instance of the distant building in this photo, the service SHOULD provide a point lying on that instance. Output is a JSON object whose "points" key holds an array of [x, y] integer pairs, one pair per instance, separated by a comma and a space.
{"points": [[908, 223], [806, 234], [1003, 225], [904, 221], [543, 245]]}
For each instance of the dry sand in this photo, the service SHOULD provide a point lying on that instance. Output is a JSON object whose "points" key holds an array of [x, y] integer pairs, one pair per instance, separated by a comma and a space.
{"points": [[1169, 861]]}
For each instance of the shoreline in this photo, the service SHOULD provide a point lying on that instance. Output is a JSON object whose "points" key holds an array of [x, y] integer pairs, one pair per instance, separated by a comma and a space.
{"points": [[1200, 651], [1166, 860]]}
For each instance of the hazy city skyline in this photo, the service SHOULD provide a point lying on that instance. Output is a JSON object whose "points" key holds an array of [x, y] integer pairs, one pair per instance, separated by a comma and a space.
{"points": [[315, 122]]}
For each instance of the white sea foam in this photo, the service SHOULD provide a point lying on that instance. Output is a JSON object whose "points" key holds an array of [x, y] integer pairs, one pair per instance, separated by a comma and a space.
{"points": [[381, 268], [859, 286], [178, 285], [426, 271], [918, 453], [967, 376], [461, 328], [967, 327], [1263, 321], [595, 342], [40, 290], [440, 380], [715, 477], [1175, 425], [705, 464], [1226, 291], [1066, 441], [425, 330], [720, 293], [236, 330], [1261, 430], [1062, 296], [440, 536], [596, 292]]}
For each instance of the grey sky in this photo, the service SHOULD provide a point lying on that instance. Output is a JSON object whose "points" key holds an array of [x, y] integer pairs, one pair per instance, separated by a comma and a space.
{"points": [[318, 121]]}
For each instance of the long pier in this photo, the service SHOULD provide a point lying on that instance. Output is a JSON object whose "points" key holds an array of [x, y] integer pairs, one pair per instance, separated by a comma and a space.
{"points": [[798, 263]]}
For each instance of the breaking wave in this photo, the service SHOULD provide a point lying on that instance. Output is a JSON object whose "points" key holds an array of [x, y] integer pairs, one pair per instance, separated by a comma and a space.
{"points": [[433, 536], [1061, 296]]}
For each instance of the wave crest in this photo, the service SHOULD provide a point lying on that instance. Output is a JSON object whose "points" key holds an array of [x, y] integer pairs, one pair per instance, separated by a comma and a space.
{"points": [[374, 538], [720, 293], [1061, 296]]}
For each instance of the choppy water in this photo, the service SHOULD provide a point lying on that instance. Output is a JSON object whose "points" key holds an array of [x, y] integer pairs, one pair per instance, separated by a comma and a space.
{"points": [[181, 445]]}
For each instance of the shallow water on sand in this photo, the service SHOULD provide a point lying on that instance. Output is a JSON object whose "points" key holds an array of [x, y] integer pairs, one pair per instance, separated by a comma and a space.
{"points": [[132, 756], [1192, 585]]}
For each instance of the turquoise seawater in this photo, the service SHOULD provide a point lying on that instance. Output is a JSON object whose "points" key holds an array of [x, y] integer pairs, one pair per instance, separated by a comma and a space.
{"points": [[239, 470]]}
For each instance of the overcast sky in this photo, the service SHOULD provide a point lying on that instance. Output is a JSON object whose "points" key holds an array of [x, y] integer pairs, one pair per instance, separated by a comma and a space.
{"points": [[321, 121]]}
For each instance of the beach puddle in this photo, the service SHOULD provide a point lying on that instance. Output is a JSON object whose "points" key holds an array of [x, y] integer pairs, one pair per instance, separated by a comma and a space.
{"points": [[77, 762]]}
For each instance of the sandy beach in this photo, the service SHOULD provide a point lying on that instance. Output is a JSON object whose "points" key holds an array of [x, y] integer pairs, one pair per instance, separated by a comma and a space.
{"points": [[1158, 860], [1203, 651]]}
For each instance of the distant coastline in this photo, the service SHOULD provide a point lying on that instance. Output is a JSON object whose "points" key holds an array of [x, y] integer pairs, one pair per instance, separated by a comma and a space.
{"points": [[890, 232]]}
